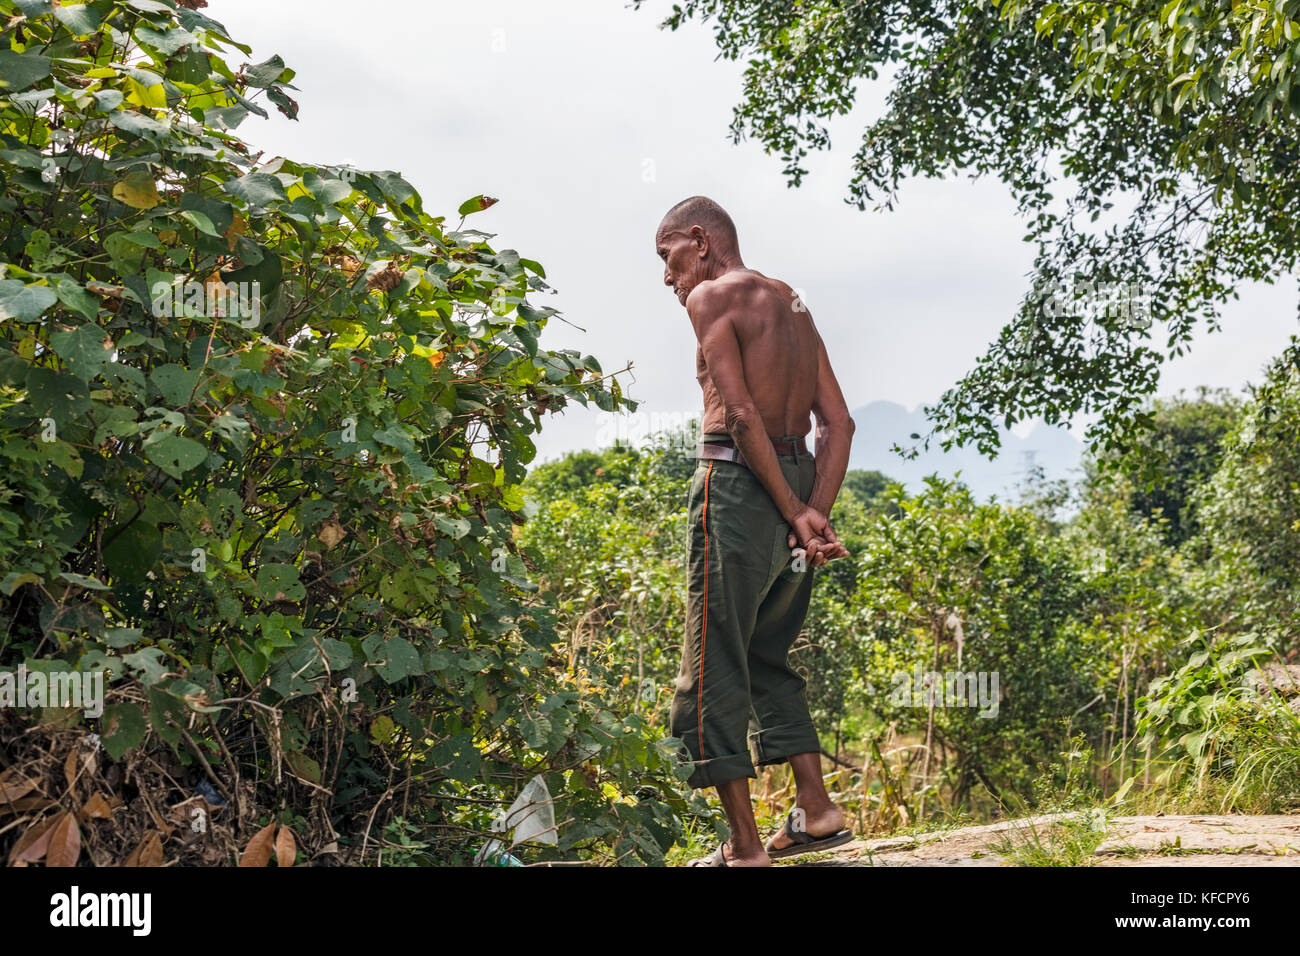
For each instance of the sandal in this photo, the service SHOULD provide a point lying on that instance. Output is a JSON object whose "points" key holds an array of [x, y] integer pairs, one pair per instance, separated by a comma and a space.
{"points": [[717, 859], [806, 843]]}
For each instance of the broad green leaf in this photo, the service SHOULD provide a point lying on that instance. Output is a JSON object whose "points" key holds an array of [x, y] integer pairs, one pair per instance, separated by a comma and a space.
{"points": [[120, 637], [86, 349], [83, 581], [137, 190], [107, 100], [14, 580], [176, 383], [201, 222], [394, 659], [81, 19], [133, 551], [264, 74], [257, 189], [137, 124], [166, 41], [56, 394], [219, 212], [285, 103], [149, 662], [330, 190], [123, 728], [303, 766], [174, 454], [477, 204], [24, 302], [280, 582], [20, 70], [75, 297]]}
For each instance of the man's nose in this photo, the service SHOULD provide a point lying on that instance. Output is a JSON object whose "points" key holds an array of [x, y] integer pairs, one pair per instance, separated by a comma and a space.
{"points": [[668, 279]]}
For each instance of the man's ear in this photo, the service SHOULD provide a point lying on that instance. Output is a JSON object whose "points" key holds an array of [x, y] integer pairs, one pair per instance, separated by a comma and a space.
{"points": [[701, 240]]}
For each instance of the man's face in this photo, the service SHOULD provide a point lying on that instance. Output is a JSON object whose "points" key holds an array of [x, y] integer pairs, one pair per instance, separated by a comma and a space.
{"points": [[682, 262]]}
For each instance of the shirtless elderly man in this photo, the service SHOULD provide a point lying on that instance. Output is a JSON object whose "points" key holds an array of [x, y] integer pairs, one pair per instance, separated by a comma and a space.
{"points": [[755, 497]]}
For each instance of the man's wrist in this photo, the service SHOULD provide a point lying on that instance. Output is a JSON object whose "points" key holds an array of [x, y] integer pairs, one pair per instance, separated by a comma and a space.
{"points": [[793, 509]]}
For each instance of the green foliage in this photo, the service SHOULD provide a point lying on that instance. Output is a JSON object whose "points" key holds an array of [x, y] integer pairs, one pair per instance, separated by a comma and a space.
{"points": [[1078, 825], [867, 485], [954, 587], [1180, 454], [583, 468], [283, 519], [1250, 517], [1207, 730], [613, 556], [1069, 841]]}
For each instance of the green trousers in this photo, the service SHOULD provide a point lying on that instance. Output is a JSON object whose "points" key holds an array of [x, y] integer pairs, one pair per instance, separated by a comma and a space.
{"points": [[745, 606]]}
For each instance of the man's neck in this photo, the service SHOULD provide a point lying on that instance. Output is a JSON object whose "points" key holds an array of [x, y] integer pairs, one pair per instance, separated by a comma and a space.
{"points": [[725, 264]]}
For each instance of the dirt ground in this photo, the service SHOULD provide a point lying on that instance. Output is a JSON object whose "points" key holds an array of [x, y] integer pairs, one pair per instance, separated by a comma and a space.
{"points": [[1192, 840]]}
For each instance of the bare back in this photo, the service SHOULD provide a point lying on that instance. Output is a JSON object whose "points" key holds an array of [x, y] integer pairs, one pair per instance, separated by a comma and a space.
{"points": [[779, 349]]}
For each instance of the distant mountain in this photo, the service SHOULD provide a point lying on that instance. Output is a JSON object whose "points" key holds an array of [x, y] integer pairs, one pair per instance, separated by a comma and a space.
{"points": [[880, 425]]}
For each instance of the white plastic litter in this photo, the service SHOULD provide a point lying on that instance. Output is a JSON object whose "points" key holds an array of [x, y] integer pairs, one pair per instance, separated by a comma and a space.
{"points": [[531, 816]]}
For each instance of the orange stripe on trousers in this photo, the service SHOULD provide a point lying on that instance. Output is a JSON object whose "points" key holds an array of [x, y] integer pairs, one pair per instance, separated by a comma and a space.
{"points": [[704, 627]]}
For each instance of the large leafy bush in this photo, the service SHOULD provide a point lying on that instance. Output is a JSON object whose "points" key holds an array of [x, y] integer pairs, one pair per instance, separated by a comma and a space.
{"points": [[282, 522]]}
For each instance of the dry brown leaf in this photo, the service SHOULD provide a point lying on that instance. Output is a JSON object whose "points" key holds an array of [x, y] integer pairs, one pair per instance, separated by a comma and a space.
{"points": [[238, 227], [31, 846], [286, 847], [151, 853], [108, 291], [89, 755], [198, 700], [331, 533], [148, 853], [14, 785], [96, 808], [258, 851], [133, 858], [386, 279], [26, 803], [70, 768], [65, 842]]}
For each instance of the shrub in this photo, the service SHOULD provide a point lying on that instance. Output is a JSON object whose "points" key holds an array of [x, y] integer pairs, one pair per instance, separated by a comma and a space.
{"points": [[282, 522]]}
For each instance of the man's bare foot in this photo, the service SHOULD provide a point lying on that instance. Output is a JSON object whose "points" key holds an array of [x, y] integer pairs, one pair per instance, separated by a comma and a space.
{"points": [[821, 824], [754, 857], [757, 857]]}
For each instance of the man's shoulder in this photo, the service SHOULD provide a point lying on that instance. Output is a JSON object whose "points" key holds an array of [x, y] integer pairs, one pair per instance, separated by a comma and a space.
{"points": [[733, 289]]}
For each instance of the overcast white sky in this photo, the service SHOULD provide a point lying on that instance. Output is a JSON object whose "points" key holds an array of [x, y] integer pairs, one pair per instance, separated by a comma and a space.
{"points": [[588, 122]]}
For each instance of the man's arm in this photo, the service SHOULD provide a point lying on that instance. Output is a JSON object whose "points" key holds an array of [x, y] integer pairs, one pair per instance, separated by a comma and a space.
{"points": [[834, 435], [713, 317]]}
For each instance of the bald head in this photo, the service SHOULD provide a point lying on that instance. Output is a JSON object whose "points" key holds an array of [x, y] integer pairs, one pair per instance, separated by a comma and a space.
{"points": [[697, 242], [708, 215]]}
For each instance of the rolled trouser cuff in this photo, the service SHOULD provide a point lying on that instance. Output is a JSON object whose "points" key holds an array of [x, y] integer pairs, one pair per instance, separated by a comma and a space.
{"points": [[777, 744], [718, 770]]}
